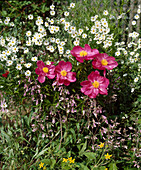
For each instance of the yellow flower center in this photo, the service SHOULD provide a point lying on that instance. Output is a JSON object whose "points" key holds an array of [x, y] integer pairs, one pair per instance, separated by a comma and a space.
{"points": [[104, 62], [83, 53], [45, 69], [95, 84], [63, 73]]}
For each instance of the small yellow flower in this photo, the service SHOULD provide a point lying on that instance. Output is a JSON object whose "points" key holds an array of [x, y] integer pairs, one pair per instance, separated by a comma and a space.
{"points": [[106, 168], [44, 168], [70, 158], [65, 160], [41, 165], [107, 156], [101, 145], [72, 161]]}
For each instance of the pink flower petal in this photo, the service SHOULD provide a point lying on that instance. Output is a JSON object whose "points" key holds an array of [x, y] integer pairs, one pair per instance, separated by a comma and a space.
{"points": [[41, 79], [87, 48], [71, 76], [40, 64], [66, 83], [51, 76], [76, 50], [93, 75], [85, 83], [67, 66]]}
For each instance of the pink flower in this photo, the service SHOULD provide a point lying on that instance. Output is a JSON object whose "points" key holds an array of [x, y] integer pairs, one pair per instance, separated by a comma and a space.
{"points": [[103, 61], [64, 76], [44, 70], [94, 85], [85, 53]]}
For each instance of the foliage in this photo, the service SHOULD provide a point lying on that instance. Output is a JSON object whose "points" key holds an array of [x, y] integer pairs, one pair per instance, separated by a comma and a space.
{"points": [[44, 125]]}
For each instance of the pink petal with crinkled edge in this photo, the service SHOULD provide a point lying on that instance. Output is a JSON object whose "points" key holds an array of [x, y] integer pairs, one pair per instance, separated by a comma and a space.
{"points": [[100, 79], [84, 88], [71, 76], [60, 82], [112, 64], [80, 59], [95, 91], [66, 83], [58, 69], [40, 64], [92, 75], [88, 91], [87, 48], [106, 82], [41, 79], [58, 76], [92, 96], [37, 71], [103, 90], [85, 83], [76, 50], [50, 66], [67, 66], [50, 76], [61, 64], [91, 55]]}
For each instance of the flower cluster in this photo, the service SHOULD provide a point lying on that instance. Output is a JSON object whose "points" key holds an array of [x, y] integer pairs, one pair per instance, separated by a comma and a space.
{"points": [[95, 85], [69, 159]]}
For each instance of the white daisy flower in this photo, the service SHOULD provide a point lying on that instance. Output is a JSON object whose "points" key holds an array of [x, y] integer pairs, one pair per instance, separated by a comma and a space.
{"points": [[30, 16], [62, 20], [117, 53], [66, 13], [139, 11], [72, 5], [68, 52], [51, 21], [9, 62], [84, 35], [52, 7], [18, 67], [28, 33], [48, 62], [6, 22], [76, 43], [134, 22], [136, 16], [136, 79], [46, 24], [28, 65], [34, 58], [105, 12], [52, 13], [28, 73]]}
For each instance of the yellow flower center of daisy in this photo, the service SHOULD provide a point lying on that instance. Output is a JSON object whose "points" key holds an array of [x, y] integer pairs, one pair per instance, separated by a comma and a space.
{"points": [[104, 62], [95, 84], [83, 53], [45, 69], [63, 73]]}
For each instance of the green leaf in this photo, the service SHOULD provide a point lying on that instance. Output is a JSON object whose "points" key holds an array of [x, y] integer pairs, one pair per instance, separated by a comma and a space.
{"points": [[102, 168], [83, 149], [90, 155], [73, 132], [139, 121], [112, 166], [83, 167], [53, 161]]}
